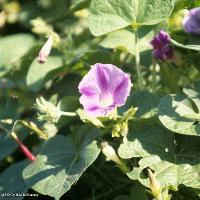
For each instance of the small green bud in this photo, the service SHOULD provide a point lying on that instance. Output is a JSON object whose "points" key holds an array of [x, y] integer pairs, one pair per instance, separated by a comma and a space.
{"points": [[116, 130], [120, 129], [129, 113], [109, 152], [50, 112], [155, 187]]}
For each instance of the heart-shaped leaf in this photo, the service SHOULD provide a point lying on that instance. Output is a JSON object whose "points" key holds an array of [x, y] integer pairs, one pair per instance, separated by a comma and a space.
{"points": [[147, 104], [110, 15], [176, 112], [124, 39], [193, 92], [37, 73], [12, 50], [174, 158], [60, 164]]}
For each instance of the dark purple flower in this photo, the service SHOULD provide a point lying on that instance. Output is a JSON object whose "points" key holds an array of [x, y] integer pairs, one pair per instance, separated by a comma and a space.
{"points": [[191, 21], [104, 88], [162, 49]]}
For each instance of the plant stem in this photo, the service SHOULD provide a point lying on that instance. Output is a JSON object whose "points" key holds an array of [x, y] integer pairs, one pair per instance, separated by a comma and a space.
{"points": [[137, 60], [70, 114]]}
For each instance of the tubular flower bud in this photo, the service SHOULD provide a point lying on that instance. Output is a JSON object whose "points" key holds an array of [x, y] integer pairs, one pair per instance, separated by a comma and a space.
{"points": [[154, 185], [45, 51], [25, 150], [109, 152]]}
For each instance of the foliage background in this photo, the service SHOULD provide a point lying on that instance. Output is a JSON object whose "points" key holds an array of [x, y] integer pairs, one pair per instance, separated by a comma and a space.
{"points": [[161, 122]]}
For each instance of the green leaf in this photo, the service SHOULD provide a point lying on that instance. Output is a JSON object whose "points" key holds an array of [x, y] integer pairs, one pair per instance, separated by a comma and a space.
{"points": [[69, 104], [110, 15], [11, 181], [147, 104], [175, 160], [79, 4], [7, 143], [124, 39], [60, 164], [177, 114], [193, 92], [37, 73], [186, 46], [168, 173], [144, 142], [12, 50]]}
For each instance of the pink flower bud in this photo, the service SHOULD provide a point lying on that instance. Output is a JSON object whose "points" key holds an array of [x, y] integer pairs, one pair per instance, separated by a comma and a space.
{"points": [[25, 150], [45, 51]]}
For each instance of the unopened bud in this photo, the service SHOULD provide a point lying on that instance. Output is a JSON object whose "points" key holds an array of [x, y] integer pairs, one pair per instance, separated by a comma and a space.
{"points": [[45, 51], [110, 153], [154, 185], [24, 149]]}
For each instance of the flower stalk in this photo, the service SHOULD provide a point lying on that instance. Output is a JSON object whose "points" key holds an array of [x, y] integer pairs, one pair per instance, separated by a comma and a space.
{"points": [[137, 60], [69, 114]]}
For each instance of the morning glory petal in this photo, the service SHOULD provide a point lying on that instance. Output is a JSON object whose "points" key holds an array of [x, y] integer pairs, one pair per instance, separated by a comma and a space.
{"points": [[104, 88]]}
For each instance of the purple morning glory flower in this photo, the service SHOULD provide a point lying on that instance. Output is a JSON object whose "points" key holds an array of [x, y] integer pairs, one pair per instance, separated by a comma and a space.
{"points": [[162, 49], [191, 21], [104, 88]]}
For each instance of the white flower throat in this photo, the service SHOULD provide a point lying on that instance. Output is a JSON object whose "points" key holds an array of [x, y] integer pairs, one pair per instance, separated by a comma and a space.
{"points": [[105, 100]]}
